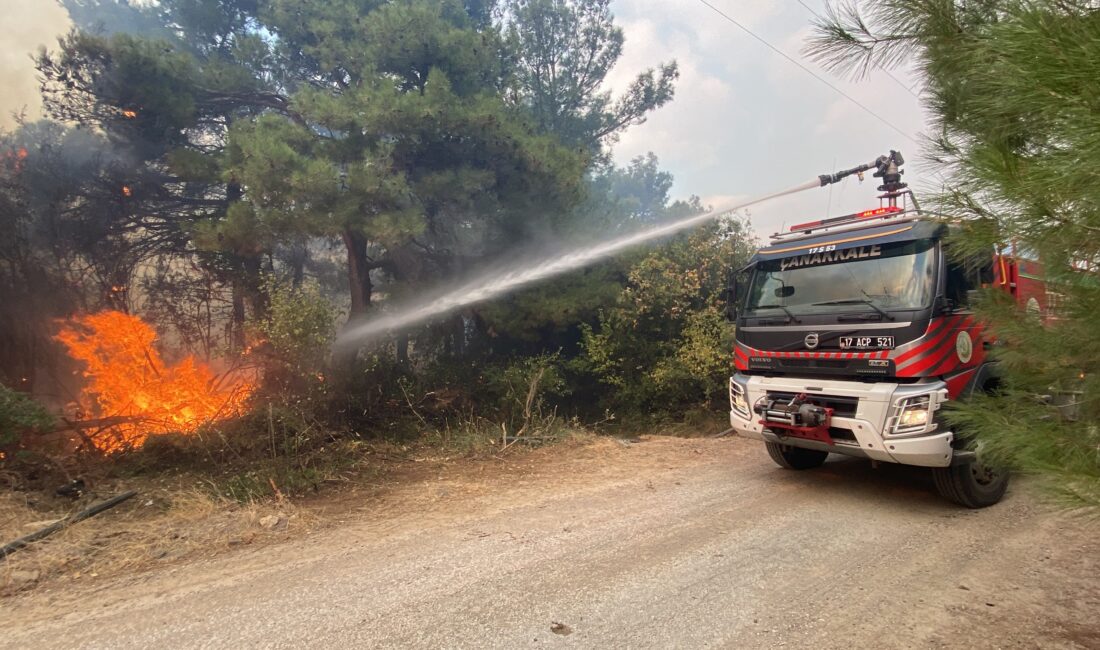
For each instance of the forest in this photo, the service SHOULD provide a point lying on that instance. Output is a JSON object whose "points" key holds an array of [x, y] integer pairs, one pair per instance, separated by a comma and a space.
{"points": [[222, 187]]}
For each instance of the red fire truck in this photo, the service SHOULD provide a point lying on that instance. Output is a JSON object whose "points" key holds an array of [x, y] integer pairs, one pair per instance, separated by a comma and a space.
{"points": [[852, 332]]}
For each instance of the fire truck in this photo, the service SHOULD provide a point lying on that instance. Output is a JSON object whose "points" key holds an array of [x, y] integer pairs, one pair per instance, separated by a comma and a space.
{"points": [[853, 332]]}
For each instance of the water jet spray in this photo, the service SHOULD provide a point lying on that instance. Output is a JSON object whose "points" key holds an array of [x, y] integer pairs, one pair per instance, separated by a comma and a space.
{"points": [[501, 283]]}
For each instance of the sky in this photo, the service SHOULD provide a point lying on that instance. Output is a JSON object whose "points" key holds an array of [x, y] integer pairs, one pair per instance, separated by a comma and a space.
{"points": [[744, 122], [31, 24]]}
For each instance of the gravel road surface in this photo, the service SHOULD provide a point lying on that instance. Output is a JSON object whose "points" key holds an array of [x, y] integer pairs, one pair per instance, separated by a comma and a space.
{"points": [[659, 543]]}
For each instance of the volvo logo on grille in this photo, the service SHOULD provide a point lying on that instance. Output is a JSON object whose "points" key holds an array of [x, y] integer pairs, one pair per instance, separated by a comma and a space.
{"points": [[812, 340]]}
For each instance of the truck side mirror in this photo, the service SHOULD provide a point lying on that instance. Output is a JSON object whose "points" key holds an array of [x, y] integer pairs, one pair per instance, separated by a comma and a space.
{"points": [[732, 291], [732, 295]]}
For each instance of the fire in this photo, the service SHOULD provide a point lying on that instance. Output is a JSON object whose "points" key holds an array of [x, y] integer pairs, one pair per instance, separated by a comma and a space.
{"points": [[129, 114], [126, 191], [136, 392], [15, 159]]}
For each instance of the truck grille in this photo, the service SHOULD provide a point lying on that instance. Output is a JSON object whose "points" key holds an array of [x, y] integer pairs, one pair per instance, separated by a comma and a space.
{"points": [[844, 407], [813, 363]]}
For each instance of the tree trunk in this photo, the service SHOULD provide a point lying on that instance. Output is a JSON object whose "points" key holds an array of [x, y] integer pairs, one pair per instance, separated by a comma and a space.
{"points": [[233, 193], [297, 256], [257, 299], [358, 273], [407, 267], [236, 327], [402, 345]]}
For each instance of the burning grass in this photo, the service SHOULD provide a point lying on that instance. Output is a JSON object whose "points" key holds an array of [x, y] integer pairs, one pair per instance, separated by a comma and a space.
{"points": [[130, 384]]}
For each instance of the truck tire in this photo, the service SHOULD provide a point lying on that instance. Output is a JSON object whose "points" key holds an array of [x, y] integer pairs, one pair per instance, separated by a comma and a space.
{"points": [[970, 484], [789, 457]]}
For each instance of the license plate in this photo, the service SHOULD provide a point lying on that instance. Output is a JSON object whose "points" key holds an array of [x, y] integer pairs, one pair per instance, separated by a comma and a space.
{"points": [[866, 342]]}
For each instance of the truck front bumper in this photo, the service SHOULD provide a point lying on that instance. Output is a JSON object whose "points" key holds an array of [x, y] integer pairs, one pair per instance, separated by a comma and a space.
{"points": [[866, 431]]}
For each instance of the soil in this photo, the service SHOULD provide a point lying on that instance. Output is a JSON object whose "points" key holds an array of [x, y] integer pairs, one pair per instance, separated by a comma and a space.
{"points": [[659, 542]]}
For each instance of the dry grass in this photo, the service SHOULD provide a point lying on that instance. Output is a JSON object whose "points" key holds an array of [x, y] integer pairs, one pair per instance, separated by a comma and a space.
{"points": [[192, 515], [696, 423], [159, 525]]}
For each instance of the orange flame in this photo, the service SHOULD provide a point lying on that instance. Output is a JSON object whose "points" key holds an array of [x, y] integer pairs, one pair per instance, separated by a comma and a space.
{"points": [[128, 381], [129, 114], [126, 191], [15, 159]]}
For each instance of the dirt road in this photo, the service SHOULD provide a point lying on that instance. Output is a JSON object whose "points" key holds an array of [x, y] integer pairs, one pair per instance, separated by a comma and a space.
{"points": [[661, 543]]}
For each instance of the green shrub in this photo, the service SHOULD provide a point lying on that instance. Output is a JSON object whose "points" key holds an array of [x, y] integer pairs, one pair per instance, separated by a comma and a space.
{"points": [[299, 329], [663, 348], [18, 414], [520, 387]]}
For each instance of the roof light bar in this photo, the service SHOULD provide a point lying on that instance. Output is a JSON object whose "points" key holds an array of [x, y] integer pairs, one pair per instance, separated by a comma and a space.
{"points": [[878, 212], [805, 226], [866, 214]]}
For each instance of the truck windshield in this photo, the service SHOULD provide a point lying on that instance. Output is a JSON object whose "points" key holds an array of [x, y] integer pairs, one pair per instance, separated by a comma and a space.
{"points": [[891, 276]]}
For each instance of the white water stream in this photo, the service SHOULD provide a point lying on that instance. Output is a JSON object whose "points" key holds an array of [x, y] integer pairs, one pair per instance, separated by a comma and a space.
{"points": [[501, 282]]}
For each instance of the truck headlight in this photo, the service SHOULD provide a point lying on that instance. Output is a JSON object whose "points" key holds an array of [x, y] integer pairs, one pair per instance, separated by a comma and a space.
{"points": [[738, 403], [913, 414]]}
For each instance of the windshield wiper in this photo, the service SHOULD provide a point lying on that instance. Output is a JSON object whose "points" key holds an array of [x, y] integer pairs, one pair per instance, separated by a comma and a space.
{"points": [[855, 301], [794, 319]]}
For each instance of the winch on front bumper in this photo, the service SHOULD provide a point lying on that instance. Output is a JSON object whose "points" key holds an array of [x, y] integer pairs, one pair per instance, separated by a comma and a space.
{"points": [[797, 416], [883, 421]]}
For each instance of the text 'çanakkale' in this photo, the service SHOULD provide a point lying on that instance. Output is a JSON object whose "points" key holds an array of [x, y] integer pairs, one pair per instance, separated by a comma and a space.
{"points": [[828, 257]]}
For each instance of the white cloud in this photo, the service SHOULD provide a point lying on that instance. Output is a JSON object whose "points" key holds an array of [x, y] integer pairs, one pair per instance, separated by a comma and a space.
{"points": [[706, 99], [745, 121], [31, 23], [694, 20], [634, 59]]}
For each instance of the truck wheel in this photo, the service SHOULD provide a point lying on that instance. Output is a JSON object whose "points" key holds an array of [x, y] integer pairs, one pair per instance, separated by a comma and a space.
{"points": [[789, 457], [971, 484]]}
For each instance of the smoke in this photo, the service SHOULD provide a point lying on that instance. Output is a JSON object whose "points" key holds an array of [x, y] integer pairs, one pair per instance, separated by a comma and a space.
{"points": [[31, 24]]}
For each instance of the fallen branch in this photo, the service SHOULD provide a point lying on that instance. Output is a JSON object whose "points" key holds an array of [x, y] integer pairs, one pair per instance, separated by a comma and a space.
{"points": [[14, 546], [96, 423], [278, 494], [401, 385]]}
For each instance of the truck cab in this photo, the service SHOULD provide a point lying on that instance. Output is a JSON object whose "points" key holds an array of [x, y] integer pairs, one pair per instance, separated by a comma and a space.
{"points": [[851, 335]]}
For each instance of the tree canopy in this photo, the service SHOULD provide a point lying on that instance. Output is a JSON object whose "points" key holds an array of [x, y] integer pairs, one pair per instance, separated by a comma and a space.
{"points": [[562, 51], [421, 135]]}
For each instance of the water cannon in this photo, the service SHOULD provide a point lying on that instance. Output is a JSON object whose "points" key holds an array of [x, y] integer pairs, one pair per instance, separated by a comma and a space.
{"points": [[889, 170], [887, 167]]}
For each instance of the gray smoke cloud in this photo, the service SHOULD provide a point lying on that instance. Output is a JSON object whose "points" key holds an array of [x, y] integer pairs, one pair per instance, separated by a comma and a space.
{"points": [[31, 24]]}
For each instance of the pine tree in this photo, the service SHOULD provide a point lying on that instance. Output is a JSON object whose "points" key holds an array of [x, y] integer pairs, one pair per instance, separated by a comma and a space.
{"points": [[562, 50], [421, 137], [165, 95], [402, 146], [1014, 90]]}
